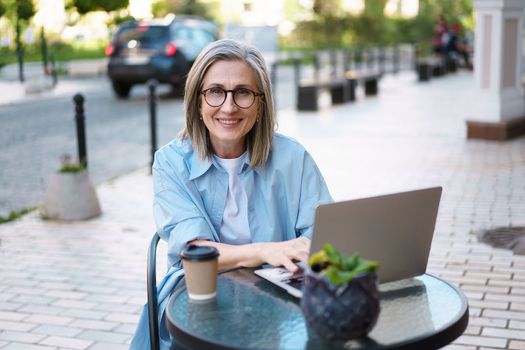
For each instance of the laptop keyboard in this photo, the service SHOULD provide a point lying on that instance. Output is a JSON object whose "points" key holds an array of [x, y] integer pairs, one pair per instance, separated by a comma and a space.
{"points": [[296, 282]]}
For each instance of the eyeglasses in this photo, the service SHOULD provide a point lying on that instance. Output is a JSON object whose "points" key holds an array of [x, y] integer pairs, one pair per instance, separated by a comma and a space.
{"points": [[242, 97]]}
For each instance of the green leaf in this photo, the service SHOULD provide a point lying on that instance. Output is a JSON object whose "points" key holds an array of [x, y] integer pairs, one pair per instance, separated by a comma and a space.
{"points": [[350, 262], [332, 255], [339, 268], [338, 277]]}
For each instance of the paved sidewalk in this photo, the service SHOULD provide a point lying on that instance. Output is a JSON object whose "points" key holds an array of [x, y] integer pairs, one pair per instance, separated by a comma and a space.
{"points": [[81, 285]]}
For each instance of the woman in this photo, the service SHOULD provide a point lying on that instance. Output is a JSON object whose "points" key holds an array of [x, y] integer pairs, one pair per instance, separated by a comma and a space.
{"points": [[229, 181]]}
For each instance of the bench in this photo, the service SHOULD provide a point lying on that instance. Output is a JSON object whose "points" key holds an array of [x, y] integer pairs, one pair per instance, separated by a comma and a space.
{"points": [[308, 92], [369, 79], [430, 67]]}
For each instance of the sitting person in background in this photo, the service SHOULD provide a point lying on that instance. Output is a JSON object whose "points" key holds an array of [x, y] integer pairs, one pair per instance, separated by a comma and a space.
{"points": [[439, 36], [456, 46]]}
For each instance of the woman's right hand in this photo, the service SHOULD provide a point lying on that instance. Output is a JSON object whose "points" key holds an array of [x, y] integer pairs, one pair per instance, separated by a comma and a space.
{"points": [[284, 253]]}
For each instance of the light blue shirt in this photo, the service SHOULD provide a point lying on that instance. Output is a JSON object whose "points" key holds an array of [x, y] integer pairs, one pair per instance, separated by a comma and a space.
{"points": [[190, 197], [190, 194]]}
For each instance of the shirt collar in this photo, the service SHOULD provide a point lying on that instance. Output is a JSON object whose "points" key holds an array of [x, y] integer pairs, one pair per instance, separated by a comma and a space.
{"points": [[198, 166], [201, 166]]}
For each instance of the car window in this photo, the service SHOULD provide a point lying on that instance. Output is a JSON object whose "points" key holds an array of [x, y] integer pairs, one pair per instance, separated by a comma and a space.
{"points": [[202, 37], [181, 33], [143, 34]]}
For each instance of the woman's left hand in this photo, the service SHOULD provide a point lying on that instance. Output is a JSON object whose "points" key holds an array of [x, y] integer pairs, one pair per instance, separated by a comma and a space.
{"points": [[284, 253]]}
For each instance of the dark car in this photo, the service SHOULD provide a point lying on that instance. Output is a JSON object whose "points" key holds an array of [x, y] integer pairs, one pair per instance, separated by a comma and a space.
{"points": [[161, 49]]}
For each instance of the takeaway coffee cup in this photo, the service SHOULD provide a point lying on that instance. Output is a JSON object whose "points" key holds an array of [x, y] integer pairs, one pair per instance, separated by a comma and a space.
{"points": [[200, 270]]}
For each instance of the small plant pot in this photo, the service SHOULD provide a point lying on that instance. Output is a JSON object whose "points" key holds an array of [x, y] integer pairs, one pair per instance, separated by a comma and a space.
{"points": [[343, 312], [71, 196]]}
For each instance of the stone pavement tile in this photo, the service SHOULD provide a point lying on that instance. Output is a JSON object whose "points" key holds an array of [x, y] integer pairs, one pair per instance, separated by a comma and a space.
{"points": [[122, 317], [458, 347], [70, 343], [41, 309], [84, 314], [109, 346], [49, 319], [74, 304], [517, 345], [504, 333], [481, 341], [112, 307], [94, 324], [62, 331], [8, 306], [517, 324], [127, 329], [22, 346], [12, 316], [16, 326], [107, 337], [509, 315], [21, 337]]}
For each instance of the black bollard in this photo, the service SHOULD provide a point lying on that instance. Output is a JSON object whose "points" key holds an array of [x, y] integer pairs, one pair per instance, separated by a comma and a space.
{"points": [[19, 52], [53, 69], [81, 130], [152, 84], [43, 47]]}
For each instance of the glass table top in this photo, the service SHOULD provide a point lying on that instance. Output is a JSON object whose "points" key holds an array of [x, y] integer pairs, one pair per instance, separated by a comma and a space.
{"points": [[249, 312]]}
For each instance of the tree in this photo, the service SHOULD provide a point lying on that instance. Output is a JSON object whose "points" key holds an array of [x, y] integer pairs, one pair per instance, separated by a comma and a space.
{"points": [[182, 7], [85, 6], [2, 9], [19, 12]]}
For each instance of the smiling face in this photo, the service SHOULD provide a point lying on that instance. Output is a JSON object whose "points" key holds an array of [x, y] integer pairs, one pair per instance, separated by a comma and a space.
{"points": [[229, 124]]}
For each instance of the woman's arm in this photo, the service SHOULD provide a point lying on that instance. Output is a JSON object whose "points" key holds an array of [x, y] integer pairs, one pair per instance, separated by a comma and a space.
{"points": [[254, 254]]}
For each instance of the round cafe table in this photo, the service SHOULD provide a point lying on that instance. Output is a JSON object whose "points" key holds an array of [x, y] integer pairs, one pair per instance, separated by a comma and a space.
{"points": [[424, 312]]}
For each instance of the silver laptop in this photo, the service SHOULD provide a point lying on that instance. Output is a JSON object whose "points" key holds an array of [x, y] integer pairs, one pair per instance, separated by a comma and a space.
{"points": [[395, 229]]}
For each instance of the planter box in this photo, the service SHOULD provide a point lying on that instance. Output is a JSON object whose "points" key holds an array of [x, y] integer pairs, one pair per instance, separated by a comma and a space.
{"points": [[71, 196]]}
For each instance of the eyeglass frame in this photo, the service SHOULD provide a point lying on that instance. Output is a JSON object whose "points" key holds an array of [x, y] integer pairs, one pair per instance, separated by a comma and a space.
{"points": [[255, 94]]}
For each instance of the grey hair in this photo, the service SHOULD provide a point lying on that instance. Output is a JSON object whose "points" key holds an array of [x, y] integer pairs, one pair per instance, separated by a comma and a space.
{"points": [[259, 138]]}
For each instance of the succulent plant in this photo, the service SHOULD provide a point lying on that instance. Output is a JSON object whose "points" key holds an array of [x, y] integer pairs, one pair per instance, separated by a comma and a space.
{"points": [[340, 296], [337, 267]]}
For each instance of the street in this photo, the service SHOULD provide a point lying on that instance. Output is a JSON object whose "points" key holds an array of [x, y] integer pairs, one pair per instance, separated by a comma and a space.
{"points": [[37, 132]]}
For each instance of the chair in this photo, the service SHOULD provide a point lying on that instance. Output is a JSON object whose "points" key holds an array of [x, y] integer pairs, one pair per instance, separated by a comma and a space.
{"points": [[152, 293]]}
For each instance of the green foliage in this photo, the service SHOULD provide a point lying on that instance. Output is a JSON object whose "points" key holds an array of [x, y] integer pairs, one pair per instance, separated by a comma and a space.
{"points": [[17, 10], [71, 167], [337, 267], [13, 215], [182, 7], [85, 6], [2, 9], [332, 27], [62, 52], [25, 9]]}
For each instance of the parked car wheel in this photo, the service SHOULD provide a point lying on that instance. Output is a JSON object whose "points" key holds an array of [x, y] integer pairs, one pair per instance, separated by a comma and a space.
{"points": [[121, 89]]}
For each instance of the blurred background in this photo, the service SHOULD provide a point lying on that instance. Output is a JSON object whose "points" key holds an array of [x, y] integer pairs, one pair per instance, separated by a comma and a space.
{"points": [[79, 29]]}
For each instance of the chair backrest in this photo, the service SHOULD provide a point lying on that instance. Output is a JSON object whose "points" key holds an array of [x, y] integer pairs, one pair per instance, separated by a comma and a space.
{"points": [[153, 318]]}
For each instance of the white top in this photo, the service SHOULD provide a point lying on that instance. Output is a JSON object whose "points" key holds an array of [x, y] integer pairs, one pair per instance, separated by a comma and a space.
{"points": [[234, 227]]}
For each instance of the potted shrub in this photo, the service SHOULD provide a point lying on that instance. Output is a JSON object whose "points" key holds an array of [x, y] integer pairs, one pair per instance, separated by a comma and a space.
{"points": [[70, 194], [340, 296]]}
